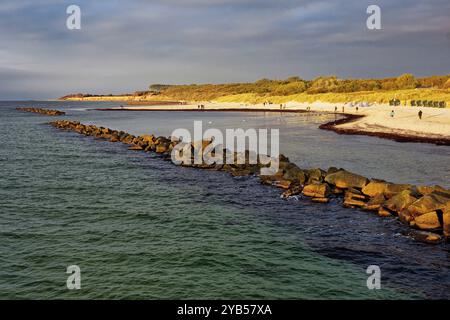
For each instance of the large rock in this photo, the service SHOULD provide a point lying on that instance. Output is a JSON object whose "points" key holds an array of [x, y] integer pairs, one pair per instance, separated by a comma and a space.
{"points": [[446, 221], [266, 179], [344, 179], [318, 190], [315, 175], [427, 221], [394, 189], [162, 147], [375, 203], [427, 237], [374, 188], [353, 198], [150, 139], [293, 191], [283, 184], [294, 174], [135, 148], [424, 190], [400, 201], [428, 203], [350, 202], [384, 213]]}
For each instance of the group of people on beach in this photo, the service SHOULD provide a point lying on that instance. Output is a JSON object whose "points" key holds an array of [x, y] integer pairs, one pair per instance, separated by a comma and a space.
{"points": [[201, 107], [420, 114], [343, 109]]}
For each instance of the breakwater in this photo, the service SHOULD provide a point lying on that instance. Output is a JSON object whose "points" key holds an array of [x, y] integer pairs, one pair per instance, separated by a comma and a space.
{"points": [[47, 112], [423, 208]]}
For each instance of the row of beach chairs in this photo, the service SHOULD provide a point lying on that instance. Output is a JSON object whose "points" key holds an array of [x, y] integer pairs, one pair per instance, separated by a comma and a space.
{"points": [[420, 103]]}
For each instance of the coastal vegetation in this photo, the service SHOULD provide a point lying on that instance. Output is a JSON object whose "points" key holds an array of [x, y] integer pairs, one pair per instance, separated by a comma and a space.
{"points": [[426, 209], [405, 87]]}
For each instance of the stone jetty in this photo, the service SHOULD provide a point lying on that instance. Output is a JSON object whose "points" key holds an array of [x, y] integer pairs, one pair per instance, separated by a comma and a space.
{"points": [[47, 112], [425, 209]]}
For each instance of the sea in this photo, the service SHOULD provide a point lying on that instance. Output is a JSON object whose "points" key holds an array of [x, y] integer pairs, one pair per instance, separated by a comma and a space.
{"points": [[138, 227]]}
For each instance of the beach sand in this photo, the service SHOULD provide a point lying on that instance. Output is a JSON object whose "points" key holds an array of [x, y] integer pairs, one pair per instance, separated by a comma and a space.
{"points": [[435, 122]]}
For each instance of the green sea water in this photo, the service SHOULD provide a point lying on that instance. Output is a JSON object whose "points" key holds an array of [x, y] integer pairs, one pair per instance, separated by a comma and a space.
{"points": [[140, 228]]}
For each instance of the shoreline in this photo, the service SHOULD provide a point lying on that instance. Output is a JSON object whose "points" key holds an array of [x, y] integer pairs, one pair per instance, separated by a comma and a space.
{"points": [[374, 121], [398, 137]]}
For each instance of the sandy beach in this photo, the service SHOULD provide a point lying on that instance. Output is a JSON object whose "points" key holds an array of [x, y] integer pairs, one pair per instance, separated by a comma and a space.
{"points": [[435, 122]]}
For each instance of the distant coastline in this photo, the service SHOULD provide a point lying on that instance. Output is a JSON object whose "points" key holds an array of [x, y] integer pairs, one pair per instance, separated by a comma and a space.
{"points": [[386, 108], [405, 89]]}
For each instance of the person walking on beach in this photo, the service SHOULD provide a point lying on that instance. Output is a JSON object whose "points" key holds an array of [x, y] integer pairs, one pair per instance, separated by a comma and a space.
{"points": [[392, 113], [420, 114], [343, 109], [335, 109]]}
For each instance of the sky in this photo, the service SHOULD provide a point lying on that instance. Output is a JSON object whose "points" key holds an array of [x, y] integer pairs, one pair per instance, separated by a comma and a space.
{"points": [[124, 46]]}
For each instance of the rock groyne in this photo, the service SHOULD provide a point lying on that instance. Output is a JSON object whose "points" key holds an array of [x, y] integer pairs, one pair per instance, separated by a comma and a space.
{"points": [[47, 112], [425, 209]]}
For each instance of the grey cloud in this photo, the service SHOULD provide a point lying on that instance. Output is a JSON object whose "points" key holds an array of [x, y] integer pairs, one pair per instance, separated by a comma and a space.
{"points": [[127, 45]]}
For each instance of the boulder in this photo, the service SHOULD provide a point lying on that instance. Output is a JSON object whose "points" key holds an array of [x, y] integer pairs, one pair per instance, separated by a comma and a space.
{"points": [[235, 170], [446, 221], [405, 217], [427, 237], [162, 148], [127, 139], [135, 148], [114, 138], [150, 139], [344, 180], [337, 191], [294, 174], [400, 201], [375, 203], [384, 213], [351, 203], [354, 198], [318, 190], [428, 203], [266, 179], [393, 189], [283, 184], [314, 175], [427, 221], [424, 190], [293, 191], [332, 170], [374, 188]]}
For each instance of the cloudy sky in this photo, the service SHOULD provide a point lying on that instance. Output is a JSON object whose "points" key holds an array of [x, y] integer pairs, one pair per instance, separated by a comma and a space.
{"points": [[126, 45]]}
